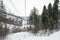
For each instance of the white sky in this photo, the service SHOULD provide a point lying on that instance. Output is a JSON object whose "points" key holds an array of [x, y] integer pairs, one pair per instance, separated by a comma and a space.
{"points": [[20, 6]]}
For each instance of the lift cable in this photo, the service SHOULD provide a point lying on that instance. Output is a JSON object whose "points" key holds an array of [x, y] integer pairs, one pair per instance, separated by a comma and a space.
{"points": [[14, 6], [17, 10]]}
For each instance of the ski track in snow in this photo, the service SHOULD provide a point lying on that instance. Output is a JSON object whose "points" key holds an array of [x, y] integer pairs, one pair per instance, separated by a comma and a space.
{"points": [[29, 36]]}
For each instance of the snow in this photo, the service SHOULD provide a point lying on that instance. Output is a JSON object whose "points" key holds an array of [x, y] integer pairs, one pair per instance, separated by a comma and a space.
{"points": [[55, 36], [30, 36]]}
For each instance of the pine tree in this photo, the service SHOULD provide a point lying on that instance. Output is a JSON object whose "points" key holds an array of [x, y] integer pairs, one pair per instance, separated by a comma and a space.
{"points": [[57, 1], [2, 13], [3, 31], [45, 18], [50, 20], [55, 13], [34, 19], [50, 10]]}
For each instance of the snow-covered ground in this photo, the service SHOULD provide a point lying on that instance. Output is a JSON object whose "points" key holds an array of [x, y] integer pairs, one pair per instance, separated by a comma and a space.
{"points": [[30, 36]]}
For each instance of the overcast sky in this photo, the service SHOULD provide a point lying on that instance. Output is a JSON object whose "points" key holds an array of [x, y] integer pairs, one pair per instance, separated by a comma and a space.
{"points": [[20, 6]]}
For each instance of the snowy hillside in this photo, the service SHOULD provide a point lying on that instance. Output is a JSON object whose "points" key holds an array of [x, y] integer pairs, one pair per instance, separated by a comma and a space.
{"points": [[29, 36]]}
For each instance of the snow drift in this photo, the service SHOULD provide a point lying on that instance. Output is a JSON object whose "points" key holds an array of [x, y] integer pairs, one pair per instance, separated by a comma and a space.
{"points": [[29, 36]]}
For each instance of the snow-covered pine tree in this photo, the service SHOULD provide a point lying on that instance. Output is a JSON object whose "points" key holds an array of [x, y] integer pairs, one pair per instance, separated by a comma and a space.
{"points": [[34, 19]]}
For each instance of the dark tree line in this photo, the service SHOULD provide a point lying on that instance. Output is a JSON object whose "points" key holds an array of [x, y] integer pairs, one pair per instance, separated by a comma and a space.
{"points": [[49, 18]]}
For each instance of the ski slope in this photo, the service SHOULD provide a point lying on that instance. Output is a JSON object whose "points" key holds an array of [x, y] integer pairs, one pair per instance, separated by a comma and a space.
{"points": [[29, 36]]}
